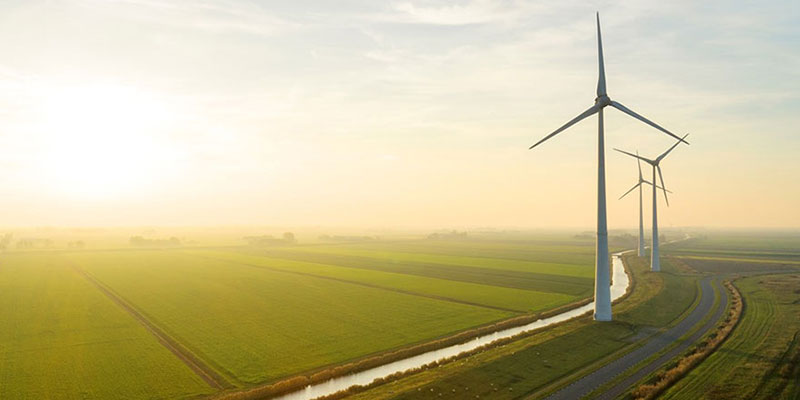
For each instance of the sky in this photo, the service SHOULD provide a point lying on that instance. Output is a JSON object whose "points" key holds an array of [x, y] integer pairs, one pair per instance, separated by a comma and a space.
{"points": [[393, 114]]}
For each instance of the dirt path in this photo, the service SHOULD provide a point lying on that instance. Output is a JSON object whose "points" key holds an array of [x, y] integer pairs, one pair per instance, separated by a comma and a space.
{"points": [[199, 367]]}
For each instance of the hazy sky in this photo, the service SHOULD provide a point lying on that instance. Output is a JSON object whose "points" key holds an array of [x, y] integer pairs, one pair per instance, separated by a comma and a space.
{"points": [[406, 113]]}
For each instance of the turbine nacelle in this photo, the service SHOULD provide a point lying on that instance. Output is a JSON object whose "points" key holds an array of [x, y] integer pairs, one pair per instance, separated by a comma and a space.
{"points": [[602, 101], [656, 167]]}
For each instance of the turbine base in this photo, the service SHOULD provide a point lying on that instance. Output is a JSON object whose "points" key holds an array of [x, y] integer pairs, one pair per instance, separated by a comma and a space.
{"points": [[602, 317]]}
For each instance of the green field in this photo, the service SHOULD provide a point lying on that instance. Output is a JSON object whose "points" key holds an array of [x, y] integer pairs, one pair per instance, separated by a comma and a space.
{"points": [[250, 316], [766, 247], [61, 338]]}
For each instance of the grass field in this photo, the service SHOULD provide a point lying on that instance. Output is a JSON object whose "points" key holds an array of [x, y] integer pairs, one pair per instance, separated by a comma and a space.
{"points": [[255, 324], [765, 247], [62, 339], [257, 315], [760, 358]]}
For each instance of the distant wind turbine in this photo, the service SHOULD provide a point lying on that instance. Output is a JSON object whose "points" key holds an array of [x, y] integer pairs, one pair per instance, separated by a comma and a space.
{"points": [[602, 281], [641, 218], [655, 264]]}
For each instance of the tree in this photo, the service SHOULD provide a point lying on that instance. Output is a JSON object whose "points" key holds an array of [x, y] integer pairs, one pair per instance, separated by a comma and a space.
{"points": [[288, 237]]}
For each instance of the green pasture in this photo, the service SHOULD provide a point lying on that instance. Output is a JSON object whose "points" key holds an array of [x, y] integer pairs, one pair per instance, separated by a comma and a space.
{"points": [[256, 315], [255, 324], [549, 268], [746, 246], [60, 338], [550, 251], [454, 290]]}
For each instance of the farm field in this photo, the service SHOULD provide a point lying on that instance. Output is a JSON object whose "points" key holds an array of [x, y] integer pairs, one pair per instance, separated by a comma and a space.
{"points": [[250, 316], [61, 338], [774, 249]]}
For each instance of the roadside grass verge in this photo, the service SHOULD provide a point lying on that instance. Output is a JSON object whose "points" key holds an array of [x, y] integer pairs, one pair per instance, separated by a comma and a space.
{"points": [[759, 358], [679, 368]]}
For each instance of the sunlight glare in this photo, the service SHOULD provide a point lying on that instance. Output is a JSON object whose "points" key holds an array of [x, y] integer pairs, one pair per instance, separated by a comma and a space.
{"points": [[101, 140]]}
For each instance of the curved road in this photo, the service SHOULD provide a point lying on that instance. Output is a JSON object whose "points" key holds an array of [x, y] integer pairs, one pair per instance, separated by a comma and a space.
{"points": [[608, 372]]}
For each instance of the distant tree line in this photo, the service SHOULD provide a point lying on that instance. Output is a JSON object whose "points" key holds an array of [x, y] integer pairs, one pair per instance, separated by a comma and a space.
{"points": [[5, 241], [269, 240], [625, 240], [448, 235], [34, 243], [345, 238], [78, 244], [140, 241]]}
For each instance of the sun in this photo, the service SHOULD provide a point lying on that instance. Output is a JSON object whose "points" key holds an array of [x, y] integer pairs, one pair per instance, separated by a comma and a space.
{"points": [[102, 140]]}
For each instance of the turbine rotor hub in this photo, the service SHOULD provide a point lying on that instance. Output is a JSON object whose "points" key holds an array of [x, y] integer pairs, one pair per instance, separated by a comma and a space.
{"points": [[603, 100]]}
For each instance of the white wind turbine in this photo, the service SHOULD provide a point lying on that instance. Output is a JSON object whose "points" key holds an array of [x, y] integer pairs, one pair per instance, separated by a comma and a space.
{"points": [[641, 218], [602, 281], [655, 264]]}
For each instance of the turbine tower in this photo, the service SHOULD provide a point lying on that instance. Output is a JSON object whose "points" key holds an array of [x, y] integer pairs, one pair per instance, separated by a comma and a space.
{"points": [[641, 218], [602, 281], [655, 264]]}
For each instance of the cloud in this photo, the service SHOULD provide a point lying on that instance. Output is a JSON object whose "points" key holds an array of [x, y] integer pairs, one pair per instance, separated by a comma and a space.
{"points": [[215, 16], [472, 12]]}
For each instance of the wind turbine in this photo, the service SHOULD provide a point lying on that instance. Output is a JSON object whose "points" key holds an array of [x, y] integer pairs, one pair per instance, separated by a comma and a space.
{"points": [[655, 264], [641, 223], [602, 281]]}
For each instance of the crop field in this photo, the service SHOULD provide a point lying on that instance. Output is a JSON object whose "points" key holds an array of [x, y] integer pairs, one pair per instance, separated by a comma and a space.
{"points": [[61, 338], [188, 322], [771, 249], [761, 358]]}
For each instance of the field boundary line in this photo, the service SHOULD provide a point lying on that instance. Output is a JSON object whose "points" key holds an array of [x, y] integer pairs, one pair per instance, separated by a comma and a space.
{"points": [[571, 281], [211, 377], [369, 285]]}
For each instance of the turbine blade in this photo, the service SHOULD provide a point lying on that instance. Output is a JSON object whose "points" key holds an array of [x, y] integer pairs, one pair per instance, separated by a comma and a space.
{"points": [[601, 80], [663, 187], [664, 154], [633, 114], [639, 163], [593, 109], [648, 182], [636, 156], [631, 189]]}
